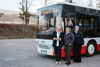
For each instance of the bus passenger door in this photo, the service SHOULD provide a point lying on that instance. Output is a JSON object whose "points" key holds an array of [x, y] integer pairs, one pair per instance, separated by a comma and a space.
{"points": [[69, 16], [88, 24], [94, 28]]}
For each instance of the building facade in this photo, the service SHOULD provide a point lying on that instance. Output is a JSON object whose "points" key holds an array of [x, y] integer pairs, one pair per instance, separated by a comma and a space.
{"points": [[12, 17]]}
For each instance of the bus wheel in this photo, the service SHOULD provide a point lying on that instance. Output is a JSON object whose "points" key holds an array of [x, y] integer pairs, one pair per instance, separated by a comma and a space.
{"points": [[90, 50]]}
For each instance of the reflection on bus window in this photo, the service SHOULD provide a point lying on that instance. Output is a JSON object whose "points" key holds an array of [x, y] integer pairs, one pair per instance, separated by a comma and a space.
{"points": [[72, 18], [92, 24], [80, 24], [58, 21], [86, 28], [52, 22], [65, 21], [46, 22], [41, 27], [95, 24], [49, 23]]}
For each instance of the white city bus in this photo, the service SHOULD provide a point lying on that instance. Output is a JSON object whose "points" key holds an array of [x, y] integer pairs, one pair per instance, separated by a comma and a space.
{"points": [[51, 16]]}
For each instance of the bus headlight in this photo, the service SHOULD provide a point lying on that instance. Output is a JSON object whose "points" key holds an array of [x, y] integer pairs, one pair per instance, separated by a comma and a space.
{"points": [[36, 41]]}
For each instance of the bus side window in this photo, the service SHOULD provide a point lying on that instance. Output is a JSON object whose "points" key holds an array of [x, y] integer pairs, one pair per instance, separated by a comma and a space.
{"points": [[65, 21], [80, 24], [86, 27], [92, 24]]}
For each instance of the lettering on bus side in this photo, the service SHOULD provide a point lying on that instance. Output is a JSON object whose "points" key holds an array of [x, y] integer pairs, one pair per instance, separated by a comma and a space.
{"points": [[50, 11]]}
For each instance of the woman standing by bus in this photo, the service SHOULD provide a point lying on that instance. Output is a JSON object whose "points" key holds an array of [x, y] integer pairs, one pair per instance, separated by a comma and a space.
{"points": [[57, 37], [70, 25], [79, 41], [68, 42]]}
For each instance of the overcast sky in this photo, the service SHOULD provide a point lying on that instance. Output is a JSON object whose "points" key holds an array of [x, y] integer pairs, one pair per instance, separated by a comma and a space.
{"points": [[14, 4]]}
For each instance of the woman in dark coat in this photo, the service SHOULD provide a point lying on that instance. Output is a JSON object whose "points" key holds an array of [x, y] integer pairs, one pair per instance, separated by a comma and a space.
{"points": [[57, 37], [68, 42], [70, 25], [79, 41]]}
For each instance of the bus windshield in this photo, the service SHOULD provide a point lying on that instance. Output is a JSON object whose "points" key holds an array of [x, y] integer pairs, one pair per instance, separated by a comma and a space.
{"points": [[48, 19], [47, 22]]}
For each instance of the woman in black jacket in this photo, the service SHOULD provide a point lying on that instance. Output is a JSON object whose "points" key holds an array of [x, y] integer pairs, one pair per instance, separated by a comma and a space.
{"points": [[79, 41], [70, 25], [57, 37], [68, 43]]}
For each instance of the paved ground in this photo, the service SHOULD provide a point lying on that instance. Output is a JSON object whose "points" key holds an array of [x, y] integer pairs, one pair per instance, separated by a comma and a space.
{"points": [[22, 53]]}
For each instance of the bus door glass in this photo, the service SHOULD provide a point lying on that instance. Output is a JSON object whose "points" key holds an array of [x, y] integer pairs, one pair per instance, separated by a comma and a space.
{"points": [[72, 17], [83, 22], [96, 27], [69, 16], [79, 21], [88, 24]]}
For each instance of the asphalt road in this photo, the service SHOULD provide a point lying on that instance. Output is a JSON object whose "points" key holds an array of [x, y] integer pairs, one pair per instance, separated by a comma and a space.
{"points": [[22, 53]]}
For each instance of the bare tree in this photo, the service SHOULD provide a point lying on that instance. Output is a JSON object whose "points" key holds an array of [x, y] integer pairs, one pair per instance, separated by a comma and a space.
{"points": [[79, 2], [92, 3], [47, 2], [68, 1], [1, 14], [22, 15], [98, 4], [25, 5]]}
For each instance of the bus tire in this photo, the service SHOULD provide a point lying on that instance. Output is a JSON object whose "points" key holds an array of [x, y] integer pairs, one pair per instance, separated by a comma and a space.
{"points": [[90, 50]]}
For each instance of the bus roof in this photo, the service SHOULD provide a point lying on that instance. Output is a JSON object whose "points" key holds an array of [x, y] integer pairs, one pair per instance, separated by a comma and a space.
{"points": [[70, 4]]}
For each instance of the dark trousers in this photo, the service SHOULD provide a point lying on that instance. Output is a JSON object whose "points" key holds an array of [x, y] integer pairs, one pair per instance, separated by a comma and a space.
{"points": [[57, 53], [77, 53], [68, 49]]}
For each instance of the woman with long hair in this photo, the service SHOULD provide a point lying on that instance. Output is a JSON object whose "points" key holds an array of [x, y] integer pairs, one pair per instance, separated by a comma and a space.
{"points": [[57, 37]]}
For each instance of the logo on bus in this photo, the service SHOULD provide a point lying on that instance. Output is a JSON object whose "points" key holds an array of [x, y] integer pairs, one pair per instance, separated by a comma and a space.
{"points": [[43, 41], [38, 41]]}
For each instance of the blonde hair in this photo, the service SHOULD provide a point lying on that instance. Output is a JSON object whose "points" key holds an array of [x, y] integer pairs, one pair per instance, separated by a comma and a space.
{"points": [[68, 28], [70, 21], [59, 27]]}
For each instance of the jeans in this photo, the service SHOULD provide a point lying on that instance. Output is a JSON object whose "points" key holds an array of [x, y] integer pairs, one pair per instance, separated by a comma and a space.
{"points": [[57, 53]]}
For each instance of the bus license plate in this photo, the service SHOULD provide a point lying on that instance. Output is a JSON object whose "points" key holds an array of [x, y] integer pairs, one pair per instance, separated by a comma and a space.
{"points": [[43, 51]]}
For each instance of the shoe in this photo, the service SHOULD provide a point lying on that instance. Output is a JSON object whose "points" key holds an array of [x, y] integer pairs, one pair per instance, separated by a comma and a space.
{"points": [[68, 63], [56, 62], [78, 61], [74, 61], [59, 62]]}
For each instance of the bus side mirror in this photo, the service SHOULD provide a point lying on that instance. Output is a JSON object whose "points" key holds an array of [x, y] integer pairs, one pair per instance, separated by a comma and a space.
{"points": [[38, 17]]}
